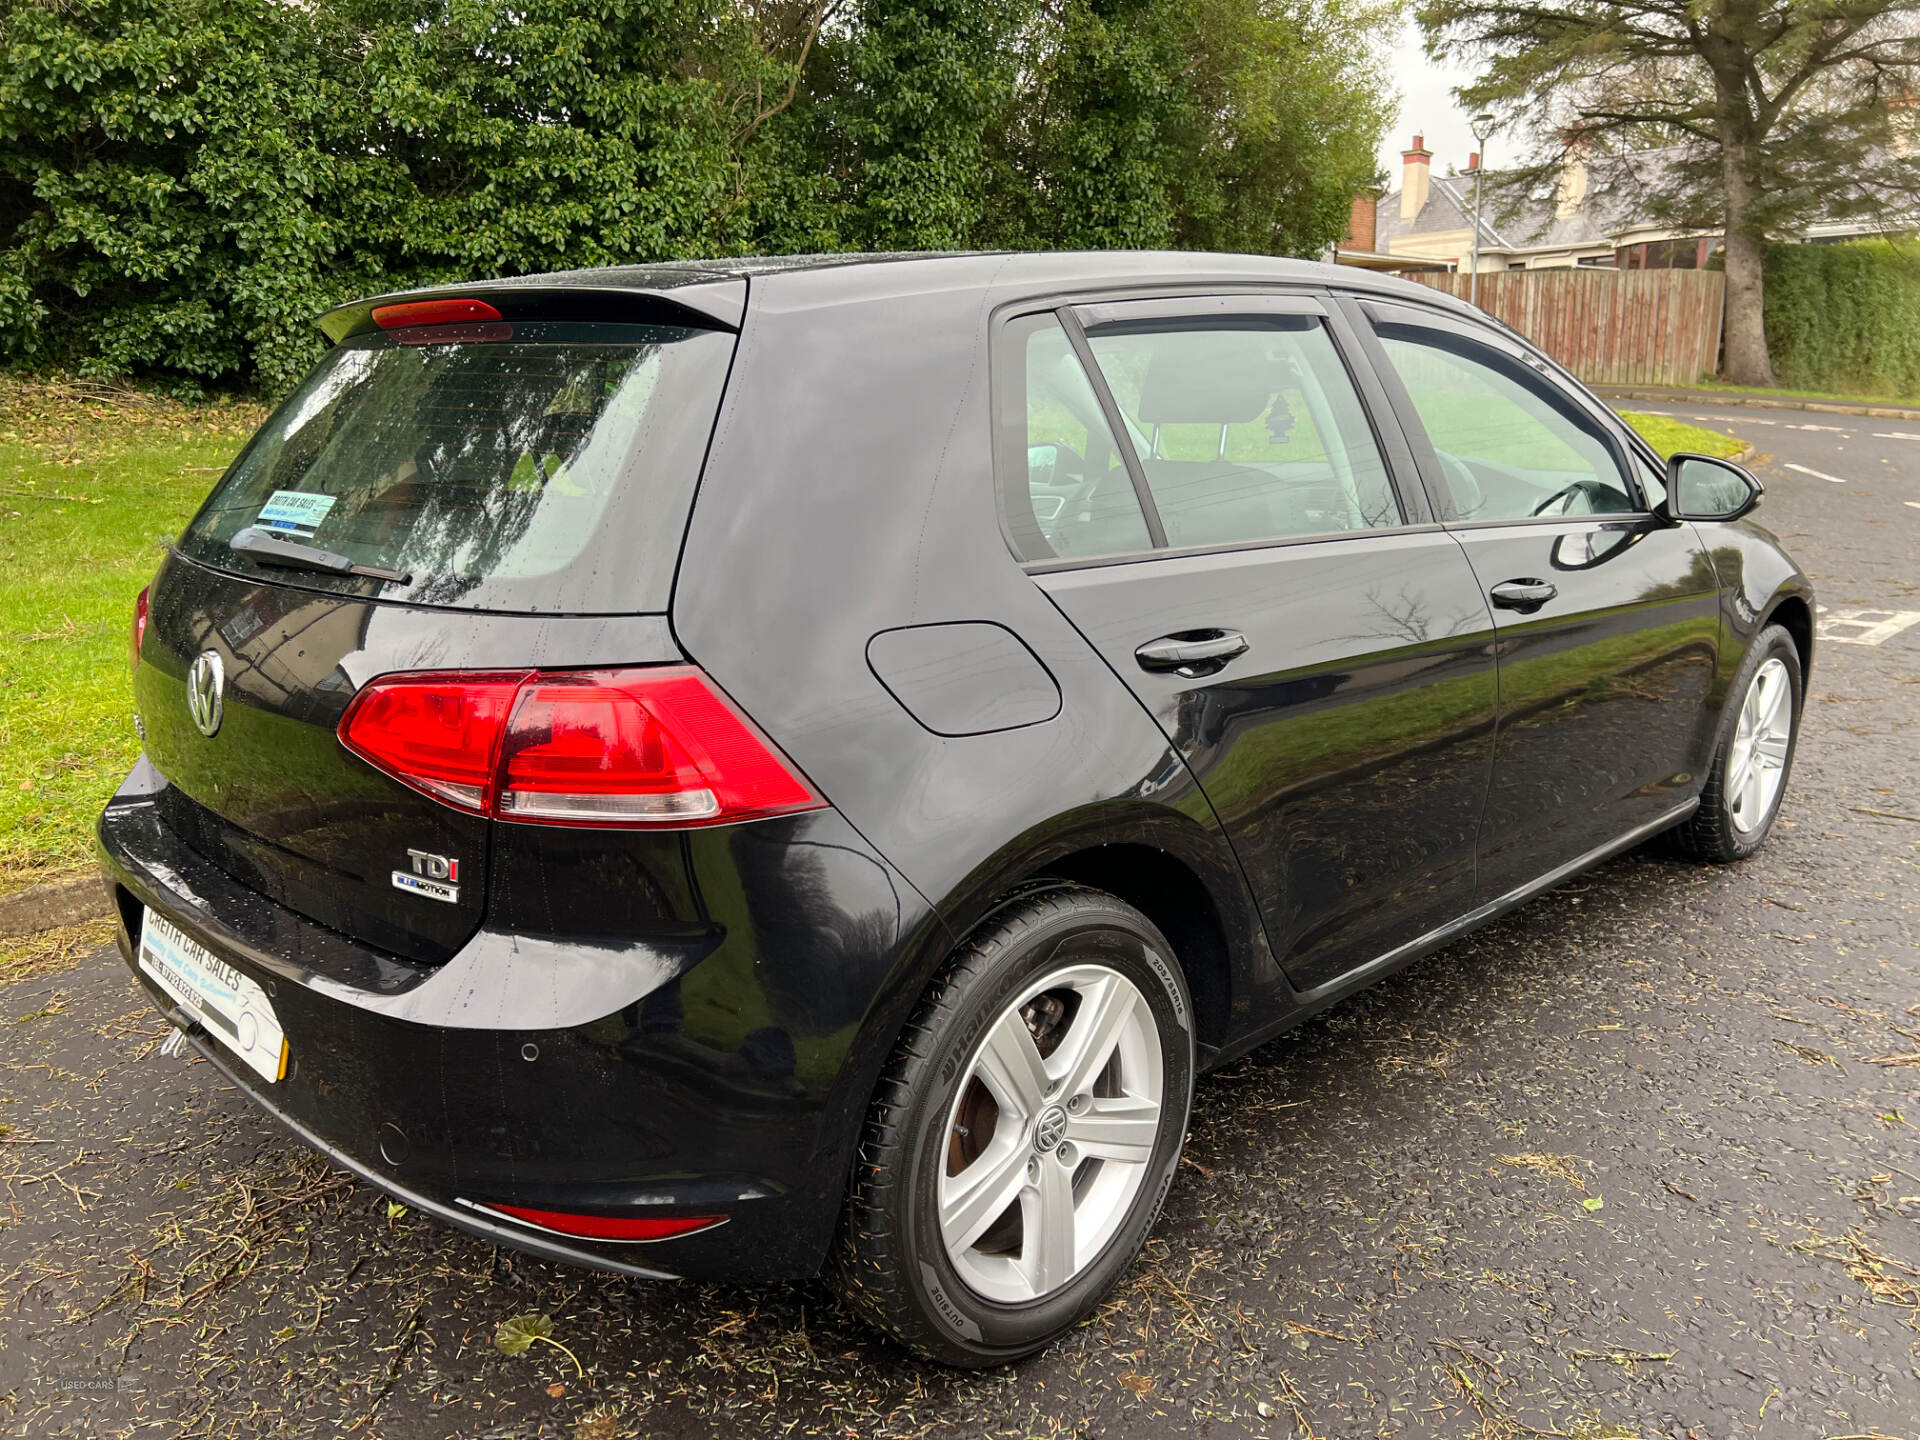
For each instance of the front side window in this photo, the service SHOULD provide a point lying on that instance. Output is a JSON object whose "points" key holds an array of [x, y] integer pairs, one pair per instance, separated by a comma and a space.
{"points": [[1509, 449], [1248, 428], [1653, 480]]}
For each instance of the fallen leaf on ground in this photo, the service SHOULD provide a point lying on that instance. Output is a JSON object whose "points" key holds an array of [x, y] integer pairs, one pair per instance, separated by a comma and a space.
{"points": [[1561, 1167]]}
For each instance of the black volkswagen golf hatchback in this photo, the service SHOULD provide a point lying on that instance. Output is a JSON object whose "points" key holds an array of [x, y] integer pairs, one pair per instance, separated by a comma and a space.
{"points": [[730, 769]]}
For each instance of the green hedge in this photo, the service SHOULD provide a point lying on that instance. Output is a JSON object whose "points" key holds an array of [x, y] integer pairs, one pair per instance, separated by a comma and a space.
{"points": [[184, 184], [1846, 317]]}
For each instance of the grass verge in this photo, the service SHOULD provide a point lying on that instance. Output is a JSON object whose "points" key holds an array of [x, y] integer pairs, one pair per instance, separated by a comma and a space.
{"points": [[1848, 397], [1670, 437], [93, 479]]}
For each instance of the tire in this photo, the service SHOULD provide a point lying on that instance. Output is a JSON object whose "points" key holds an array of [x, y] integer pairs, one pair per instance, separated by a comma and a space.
{"points": [[1735, 818], [965, 1136]]}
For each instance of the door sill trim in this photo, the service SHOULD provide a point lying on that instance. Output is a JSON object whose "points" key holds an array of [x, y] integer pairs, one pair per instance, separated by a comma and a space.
{"points": [[1304, 1003], [1361, 974]]}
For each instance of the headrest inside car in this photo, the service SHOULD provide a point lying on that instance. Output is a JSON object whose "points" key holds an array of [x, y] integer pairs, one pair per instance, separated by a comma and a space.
{"points": [[1195, 380]]}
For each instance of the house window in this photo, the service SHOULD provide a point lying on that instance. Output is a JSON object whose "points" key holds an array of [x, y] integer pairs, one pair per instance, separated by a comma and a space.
{"points": [[1687, 254]]}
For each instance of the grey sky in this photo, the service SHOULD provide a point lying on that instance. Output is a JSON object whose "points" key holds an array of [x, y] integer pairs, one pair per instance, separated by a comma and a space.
{"points": [[1427, 107]]}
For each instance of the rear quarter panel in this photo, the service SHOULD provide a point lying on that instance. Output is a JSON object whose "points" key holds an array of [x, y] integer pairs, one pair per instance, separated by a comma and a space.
{"points": [[850, 491]]}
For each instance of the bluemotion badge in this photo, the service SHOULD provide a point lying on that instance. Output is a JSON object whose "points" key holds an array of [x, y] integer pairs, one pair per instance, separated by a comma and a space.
{"points": [[429, 876]]}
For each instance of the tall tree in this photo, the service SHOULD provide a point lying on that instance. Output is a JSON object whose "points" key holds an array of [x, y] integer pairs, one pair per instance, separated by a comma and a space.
{"points": [[184, 184], [1205, 124], [1783, 111]]}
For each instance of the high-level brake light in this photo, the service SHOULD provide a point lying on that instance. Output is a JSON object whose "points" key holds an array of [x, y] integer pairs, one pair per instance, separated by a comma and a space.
{"points": [[658, 746], [432, 312]]}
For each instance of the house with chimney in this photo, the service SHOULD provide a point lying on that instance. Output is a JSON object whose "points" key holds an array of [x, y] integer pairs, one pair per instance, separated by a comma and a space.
{"points": [[1427, 224]]}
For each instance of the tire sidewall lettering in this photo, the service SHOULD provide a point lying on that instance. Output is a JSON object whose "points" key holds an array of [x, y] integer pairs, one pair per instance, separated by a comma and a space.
{"points": [[1175, 992]]}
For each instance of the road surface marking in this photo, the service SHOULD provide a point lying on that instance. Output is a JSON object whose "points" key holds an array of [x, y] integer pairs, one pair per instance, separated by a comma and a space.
{"points": [[1894, 435], [1818, 474], [1836, 429], [1914, 503], [1868, 627]]}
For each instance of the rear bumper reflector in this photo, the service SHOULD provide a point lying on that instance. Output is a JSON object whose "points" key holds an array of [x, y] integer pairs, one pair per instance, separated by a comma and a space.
{"points": [[619, 1228]]}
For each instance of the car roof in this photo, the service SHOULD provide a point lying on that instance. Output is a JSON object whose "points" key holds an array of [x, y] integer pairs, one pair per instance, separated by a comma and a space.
{"points": [[716, 287], [896, 272]]}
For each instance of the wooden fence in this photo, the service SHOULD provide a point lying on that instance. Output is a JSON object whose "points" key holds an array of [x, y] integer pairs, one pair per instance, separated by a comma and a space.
{"points": [[1610, 327]]}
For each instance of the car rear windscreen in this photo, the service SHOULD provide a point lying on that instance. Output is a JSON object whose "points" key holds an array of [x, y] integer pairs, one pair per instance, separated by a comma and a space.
{"points": [[530, 467]]}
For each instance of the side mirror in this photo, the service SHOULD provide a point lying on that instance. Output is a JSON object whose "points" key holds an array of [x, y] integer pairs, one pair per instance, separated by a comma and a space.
{"points": [[1701, 487]]}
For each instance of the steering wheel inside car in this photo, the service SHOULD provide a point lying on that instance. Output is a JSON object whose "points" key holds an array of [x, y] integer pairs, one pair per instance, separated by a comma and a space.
{"points": [[1591, 489]]}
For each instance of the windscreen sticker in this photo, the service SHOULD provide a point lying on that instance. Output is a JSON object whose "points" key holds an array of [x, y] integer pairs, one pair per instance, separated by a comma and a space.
{"points": [[294, 513]]}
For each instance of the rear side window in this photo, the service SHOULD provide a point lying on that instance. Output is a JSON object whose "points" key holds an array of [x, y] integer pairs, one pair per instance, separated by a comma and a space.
{"points": [[1234, 429], [1078, 499], [517, 466], [1249, 429]]}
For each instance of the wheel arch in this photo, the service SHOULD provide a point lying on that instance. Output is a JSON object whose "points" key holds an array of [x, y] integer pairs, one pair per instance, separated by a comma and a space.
{"points": [[1793, 613], [1172, 896], [1180, 873]]}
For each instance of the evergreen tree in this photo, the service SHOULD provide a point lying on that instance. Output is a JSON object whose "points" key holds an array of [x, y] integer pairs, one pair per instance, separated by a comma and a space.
{"points": [[1788, 110], [184, 184]]}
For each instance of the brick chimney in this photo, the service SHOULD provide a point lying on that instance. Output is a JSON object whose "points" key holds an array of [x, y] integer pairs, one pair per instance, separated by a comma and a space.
{"points": [[1362, 231], [1903, 109], [1416, 170], [1473, 161], [1571, 190]]}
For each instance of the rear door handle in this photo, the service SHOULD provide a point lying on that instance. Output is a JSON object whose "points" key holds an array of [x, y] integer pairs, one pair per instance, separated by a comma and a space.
{"points": [[1523, 594], [1192, 652]]}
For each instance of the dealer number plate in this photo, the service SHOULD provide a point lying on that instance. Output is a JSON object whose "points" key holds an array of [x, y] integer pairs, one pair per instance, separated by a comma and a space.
{"points": [[229, 1004]]}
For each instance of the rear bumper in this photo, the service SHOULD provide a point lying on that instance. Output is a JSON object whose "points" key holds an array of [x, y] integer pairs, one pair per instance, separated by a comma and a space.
{"points": [[712, 1075], [460, 1217]]}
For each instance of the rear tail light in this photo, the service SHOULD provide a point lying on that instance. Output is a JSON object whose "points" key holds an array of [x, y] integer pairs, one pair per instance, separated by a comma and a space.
{"points": [[439, 733], [649, 747], [602, 1227], [139, 625]]}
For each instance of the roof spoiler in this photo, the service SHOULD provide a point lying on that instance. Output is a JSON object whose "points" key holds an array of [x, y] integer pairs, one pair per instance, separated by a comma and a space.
{"points": [[707, 301]]}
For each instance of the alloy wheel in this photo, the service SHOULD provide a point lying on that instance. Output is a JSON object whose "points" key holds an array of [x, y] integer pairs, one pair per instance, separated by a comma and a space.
{"points": [[1050, 1134], [1757, 754]]}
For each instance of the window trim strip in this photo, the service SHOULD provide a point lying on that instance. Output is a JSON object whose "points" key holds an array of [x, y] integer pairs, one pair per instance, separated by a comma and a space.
{"points": [[1116, 424], [1229, 547], [1196, 307]]}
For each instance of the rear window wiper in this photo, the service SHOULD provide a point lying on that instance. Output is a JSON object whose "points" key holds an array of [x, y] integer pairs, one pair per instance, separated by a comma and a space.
{"points": [[272, 550]]}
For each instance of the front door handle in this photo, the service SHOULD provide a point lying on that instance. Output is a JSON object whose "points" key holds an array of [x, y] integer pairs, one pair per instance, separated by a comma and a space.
{"points": [[1523, 594], [1192, 652]]}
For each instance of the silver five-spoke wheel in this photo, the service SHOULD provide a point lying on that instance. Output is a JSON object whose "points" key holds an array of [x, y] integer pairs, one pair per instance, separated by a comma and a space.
{"points": [[1757, 755], [1050, 1133]]}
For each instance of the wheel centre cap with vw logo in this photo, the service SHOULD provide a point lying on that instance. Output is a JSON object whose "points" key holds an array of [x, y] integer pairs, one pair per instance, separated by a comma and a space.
{"points": [[1050, 1129], [206, 692]]}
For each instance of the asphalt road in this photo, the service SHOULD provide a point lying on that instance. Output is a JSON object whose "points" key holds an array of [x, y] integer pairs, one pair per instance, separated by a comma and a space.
{"points": [[1634, 1162]]}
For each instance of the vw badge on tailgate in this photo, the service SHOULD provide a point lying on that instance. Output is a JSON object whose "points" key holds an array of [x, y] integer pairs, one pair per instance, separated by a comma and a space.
{"points": [[206, 689]]}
